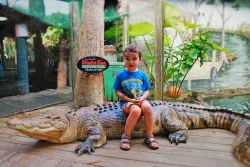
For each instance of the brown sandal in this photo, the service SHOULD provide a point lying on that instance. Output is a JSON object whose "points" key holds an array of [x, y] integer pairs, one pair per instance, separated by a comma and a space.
{"points": [[125, 140], [149, 140]]}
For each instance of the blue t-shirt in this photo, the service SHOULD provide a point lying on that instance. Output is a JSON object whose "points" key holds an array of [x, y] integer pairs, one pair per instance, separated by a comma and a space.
{"points": [[131, 84]]}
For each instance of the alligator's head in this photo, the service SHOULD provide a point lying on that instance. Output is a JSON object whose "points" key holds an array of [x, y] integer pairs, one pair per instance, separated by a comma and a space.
{"points": [[48, 127]]}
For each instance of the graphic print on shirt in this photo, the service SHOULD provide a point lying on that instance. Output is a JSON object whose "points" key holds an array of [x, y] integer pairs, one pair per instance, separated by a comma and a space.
{"points": [[132, 87]]}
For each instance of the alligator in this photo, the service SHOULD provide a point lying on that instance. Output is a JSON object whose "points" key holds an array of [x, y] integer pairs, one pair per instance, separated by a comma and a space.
{"points": [[95, 124]]}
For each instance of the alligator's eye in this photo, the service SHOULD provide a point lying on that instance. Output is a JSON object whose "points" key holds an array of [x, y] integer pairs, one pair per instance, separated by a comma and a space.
{"points": [[48, 117], [56, 118]]}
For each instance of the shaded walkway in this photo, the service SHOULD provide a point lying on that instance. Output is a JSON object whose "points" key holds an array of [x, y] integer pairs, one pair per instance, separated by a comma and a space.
{"points": [[17, 104]]}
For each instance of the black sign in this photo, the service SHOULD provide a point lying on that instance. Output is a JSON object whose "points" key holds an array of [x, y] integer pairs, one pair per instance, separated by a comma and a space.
{"points": [[92, 64]]}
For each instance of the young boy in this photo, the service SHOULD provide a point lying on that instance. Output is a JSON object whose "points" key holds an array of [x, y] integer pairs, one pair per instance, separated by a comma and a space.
{"points": [[132, 88]]}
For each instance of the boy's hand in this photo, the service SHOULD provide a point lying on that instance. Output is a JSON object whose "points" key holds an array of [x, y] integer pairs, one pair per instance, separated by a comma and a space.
{"points": [[139, 101], [135, 101]]}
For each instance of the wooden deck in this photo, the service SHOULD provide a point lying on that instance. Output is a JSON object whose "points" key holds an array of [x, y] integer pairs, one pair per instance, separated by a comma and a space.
{"points": [[205, 148]]}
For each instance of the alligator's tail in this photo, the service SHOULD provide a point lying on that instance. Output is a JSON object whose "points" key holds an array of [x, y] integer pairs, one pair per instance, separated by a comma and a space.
{"points": [[238, 123], [198, 116]]}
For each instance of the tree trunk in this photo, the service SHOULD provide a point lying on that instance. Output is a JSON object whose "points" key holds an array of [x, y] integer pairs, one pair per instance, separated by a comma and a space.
{"points": [[62, 66], [75, 25], [89, 87]]}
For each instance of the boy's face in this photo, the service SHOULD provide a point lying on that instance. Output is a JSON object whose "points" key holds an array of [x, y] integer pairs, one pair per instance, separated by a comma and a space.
{"points": [[132, 61]]}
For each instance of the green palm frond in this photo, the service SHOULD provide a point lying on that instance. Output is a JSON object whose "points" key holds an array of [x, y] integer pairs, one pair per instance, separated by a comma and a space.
{"points": [[245, 107], [140, 29]]}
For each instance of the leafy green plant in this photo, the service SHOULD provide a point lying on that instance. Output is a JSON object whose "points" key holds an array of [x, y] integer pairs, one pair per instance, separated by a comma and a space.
{"points": [[245, 107], [140, 29], [10, 48], [52, 36], [188, 53], [115, 35]]}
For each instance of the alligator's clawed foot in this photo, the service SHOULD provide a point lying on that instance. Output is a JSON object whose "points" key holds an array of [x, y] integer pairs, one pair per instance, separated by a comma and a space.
{"points": [[84, 147], [179, 136]]}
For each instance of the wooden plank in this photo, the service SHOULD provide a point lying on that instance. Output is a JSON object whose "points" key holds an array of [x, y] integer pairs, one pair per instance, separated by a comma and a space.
{"points": [[65, 164], [211, 139], [18, 139], [195, 142], [78, 165], [4, 155], [176, 159], [11, 161], [106, 158], [212, 132], [165, 147], [44, 162], [3, 124], [164, 142], [195, 145], [18, 160], [10, 132], [23, 162], [3, 120], [174, 150], [70, 156]]}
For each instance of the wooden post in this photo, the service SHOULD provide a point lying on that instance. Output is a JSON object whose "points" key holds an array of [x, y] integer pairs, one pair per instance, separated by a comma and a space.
{"points": [[75, 24], [2, 53], [22, 65], [159, 45], [22, 58]]}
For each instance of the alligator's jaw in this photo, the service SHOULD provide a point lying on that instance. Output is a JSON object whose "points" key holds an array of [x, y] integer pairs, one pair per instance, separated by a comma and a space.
{"points": [[42, 127]]}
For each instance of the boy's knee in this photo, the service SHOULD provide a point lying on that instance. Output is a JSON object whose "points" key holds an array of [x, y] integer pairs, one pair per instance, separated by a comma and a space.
{"points": [[146, 105], [146, 108], [136, 112]]}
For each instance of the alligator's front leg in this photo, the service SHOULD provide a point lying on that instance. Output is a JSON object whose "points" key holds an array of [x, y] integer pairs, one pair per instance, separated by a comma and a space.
{"points": [[96, 138], [177, 129]]}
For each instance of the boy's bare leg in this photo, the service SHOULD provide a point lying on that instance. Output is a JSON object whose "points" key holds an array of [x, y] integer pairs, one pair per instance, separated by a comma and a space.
{"points": [[134, 114], [148, 119]]}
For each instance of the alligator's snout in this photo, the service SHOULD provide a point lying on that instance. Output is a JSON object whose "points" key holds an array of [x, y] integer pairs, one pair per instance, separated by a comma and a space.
{"points": [[44, 127], [13, 123]]}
